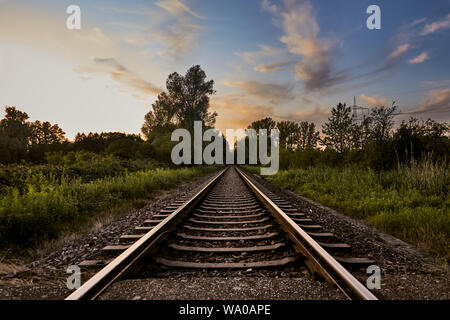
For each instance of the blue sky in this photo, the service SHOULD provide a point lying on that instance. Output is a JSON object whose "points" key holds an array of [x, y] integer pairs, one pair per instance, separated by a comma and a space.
{"points": [[291, 59]]}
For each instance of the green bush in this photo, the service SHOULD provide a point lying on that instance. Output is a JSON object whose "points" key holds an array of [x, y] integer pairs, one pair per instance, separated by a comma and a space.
{"points": [[46, 205], [73, 165], [410, 202]]}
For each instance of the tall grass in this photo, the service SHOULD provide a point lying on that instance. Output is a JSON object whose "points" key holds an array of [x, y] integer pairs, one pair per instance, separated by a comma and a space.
{"points": [[46, 205], [84, 165], [410, 202]]}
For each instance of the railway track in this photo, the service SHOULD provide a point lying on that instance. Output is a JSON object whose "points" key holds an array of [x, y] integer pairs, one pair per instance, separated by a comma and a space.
{"points": [[231, 223]]}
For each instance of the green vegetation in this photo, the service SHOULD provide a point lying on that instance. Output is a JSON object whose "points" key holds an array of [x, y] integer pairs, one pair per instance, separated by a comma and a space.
{"points": [[45, 205], [50, 185], [395, 178], [410, 202]]}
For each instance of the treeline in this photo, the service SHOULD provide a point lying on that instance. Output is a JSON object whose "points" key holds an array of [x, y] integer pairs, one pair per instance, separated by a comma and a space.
{"points": [[371, 142], [41, 142], [186, 100]]}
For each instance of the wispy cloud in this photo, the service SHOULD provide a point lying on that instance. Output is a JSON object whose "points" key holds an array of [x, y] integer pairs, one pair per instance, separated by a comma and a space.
{"points": [[315, 113], [181, 34], [264, 51], [127, 25], [119, 74], [270, 7], [436, 26], [374, 100], [269, 68], [236, 112], [438, 101], [416, 22], [420, 58], [401, 49], [301, 37], [271, 92], [436, 84], [177, 8]]}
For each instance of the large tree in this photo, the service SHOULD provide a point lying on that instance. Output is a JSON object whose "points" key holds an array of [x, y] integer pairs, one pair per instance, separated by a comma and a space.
{"points": [[288, 134], [415, 139], [360, 134], [307, 136], [337, 131], [381, 123], [266, 123], [44, 133], [186, 101], [15, 133]]}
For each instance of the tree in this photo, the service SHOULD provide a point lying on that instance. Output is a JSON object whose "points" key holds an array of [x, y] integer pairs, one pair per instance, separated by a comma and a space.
{"points": [[337, 130], [288, 134], [186, 101], [162, 115], [360, 134], [44, 133], [95, 142], [381, 123], [266, 123], [307, 136], [415, 139], [123, 148], [14, 135]]}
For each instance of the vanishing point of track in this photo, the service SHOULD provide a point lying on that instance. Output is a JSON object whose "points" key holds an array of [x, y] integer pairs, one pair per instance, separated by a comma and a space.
{"points": [[229, 224]]}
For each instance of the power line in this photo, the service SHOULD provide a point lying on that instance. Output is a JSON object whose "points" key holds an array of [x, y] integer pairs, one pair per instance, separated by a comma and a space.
{"points": [[359, 113]]}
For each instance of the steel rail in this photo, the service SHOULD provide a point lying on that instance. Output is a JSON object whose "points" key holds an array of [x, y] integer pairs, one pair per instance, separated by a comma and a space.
{"points": [[125, 261], [321, 261]]}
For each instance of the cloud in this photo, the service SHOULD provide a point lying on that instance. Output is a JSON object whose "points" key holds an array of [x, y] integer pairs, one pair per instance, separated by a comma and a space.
{"points": [[271, 92], [270, 7], [420, 58], [177, 8], [179, 38], [141, 11], [235, 112], [401, 49], [27, 25], [438, 101], [264, 51], [269, 68], [119, 74], [435, 26], [374, 101], [436, 84], [180, 35], [416, 22], [315, 114], [127, 25], [301, 37]]}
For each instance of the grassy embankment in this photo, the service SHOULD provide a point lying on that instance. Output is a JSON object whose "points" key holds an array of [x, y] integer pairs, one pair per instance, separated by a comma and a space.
{"points": [[410, 202], [40, 203]]}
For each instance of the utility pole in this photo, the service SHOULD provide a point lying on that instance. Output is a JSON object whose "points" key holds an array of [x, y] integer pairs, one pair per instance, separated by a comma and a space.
{"points": [[359, 113]]}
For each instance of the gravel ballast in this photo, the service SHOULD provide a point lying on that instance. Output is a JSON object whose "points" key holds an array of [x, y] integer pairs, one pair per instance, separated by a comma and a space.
{"points": [[235, 288], [407, 272]]}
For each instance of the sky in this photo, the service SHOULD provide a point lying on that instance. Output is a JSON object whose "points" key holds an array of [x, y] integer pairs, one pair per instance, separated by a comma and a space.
{"points": [[290, 60]]}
